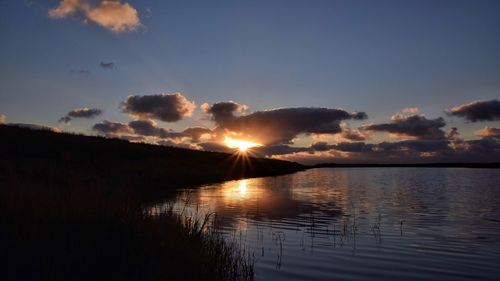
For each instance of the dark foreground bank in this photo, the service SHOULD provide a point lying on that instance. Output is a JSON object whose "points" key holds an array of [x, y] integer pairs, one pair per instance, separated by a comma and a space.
{"points": [[71, 208]]}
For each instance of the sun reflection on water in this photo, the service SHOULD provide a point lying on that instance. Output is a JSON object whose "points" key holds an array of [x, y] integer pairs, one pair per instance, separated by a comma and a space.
{"points": [[243, 188], [240, 190]]}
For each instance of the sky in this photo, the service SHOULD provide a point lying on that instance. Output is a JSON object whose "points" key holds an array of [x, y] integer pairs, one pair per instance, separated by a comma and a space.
{"points": [[308, 81]]}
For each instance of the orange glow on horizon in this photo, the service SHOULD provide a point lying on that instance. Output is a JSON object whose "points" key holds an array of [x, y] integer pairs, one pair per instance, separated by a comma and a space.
{"points": [[241, 145]]}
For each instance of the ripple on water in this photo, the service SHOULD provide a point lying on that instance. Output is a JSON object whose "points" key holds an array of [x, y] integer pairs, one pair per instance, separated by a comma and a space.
{"points": [[361, 224]]}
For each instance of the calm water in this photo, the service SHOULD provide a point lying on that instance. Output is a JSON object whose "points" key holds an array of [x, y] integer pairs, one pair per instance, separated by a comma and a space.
{"points": [[361, 224]]}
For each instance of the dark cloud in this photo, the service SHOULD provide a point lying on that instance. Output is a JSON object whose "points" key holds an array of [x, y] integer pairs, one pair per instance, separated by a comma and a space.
{"points": [[108, 128], [353, 147], [148, 128], [486, 149], [412, 126], [279, 126], [353, 134], [414, 145], [139, 129], [107, 65], [479, 110], [453, 133], [223, 111], [65, 119], [280, 149], [81, 113], [164, 107], [382, 150], [321, 146], [195, 133]]}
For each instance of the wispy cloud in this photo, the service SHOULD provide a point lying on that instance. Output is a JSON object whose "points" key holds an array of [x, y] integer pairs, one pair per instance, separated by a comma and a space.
{"points": [[84, 112], [107, 65], [412, 110]]}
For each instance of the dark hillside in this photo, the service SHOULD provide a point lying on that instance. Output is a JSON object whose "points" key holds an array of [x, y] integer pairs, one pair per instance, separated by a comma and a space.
{"points": [[72, 207], [42, 157]]}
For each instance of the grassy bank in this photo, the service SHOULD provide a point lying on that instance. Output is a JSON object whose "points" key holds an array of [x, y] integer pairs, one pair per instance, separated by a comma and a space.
{"points": [[71, 209]]}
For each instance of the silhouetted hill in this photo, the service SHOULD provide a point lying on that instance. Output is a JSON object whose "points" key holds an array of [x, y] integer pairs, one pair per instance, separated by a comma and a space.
{"points": [[43, 157], [73, 207]]}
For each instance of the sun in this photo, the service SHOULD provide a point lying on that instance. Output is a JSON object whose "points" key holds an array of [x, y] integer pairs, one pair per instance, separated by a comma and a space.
{"points": [[241, 145]]}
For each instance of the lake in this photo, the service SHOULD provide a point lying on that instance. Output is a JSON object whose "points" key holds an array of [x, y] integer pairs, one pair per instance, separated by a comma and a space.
{"points": [[360, 223]]}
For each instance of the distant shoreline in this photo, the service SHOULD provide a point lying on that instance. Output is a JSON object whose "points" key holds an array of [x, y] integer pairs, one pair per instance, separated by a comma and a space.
{"points": [[493, 165]]}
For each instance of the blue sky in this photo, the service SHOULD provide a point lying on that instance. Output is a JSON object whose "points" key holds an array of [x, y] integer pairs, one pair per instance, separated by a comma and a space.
{"points": [[372, 56]]}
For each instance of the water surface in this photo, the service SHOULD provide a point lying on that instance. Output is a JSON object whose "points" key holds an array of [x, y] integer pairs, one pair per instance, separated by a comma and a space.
{"points": [[361, 223]]}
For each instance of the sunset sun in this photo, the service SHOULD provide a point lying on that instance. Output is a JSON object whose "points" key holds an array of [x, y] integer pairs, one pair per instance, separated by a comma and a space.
{"points": [[241, 145]]}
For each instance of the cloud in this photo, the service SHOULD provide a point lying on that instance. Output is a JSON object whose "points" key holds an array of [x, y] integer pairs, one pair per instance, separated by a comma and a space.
{"points": [[164, 107], [114, 16], [279, 149], [223, 111], [64, 119], [84, 112], [111, 14], [140, 129], [84, 72], [413, 145], [489, 132], [107, 65], [196, 133], [2, 118], [67, 8], [148, 128], [416, 126], [353, 134], [109, 129], [321, 146], [486, 149], [480, 110], [453, 134], [278, 126], [367, 150]]}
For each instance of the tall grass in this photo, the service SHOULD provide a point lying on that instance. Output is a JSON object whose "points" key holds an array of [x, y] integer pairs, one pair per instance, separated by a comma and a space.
{"points": [[82, 235]]}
